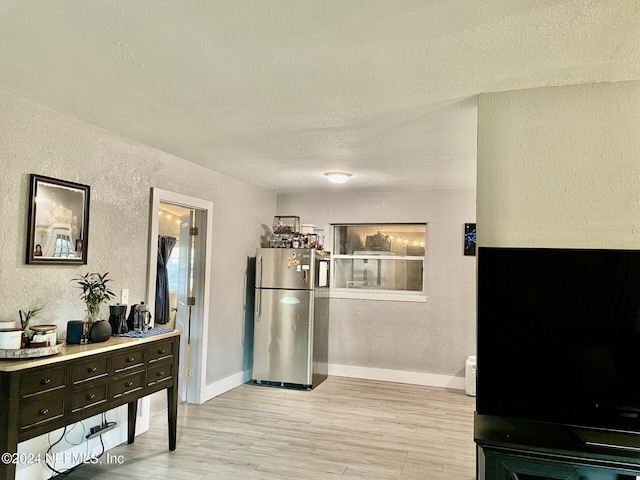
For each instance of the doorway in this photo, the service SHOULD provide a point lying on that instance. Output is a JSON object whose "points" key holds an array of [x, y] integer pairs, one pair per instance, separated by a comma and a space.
{"points": [[181, 232]]}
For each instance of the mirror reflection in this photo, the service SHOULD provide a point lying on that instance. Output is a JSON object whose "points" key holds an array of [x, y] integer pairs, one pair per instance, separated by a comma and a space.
{"points": [[58, 221]]}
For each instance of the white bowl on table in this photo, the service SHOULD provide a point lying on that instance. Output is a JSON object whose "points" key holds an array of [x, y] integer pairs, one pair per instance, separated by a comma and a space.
{"points": [[7, 324], [10, 338], [46, 334]]}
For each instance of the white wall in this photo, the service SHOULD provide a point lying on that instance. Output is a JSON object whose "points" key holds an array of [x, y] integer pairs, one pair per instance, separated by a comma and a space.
{"points": [[34, 139], [560, 166], [400, 341]]}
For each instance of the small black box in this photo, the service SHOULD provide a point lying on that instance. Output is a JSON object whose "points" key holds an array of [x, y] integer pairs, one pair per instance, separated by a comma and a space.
{"points": [[74, 331]]}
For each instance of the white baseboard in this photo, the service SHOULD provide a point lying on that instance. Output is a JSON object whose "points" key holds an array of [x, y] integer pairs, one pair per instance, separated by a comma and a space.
{"points": [[416, 378], [399, 376], [224, 385]]}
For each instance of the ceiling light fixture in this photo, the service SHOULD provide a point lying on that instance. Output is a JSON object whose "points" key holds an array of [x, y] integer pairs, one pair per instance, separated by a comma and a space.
{"points": [[337, 177]]}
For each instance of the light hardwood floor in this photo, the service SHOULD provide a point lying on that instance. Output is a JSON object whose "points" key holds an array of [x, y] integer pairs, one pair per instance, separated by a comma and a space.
{"points": [[345, 429]]}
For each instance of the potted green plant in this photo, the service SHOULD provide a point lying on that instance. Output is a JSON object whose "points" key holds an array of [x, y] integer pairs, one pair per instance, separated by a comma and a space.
{"points": [[95, 292], [25, 318]]}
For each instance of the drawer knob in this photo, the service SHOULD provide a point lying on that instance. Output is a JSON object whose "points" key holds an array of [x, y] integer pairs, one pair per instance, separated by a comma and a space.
{"points": [[45, 381], [130, 359], [161, 351], [44, 411], [92, 369], [128, 384], [161, 373], [91, 396]]}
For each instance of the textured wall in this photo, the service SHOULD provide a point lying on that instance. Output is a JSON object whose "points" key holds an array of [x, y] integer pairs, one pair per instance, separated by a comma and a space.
{"points": [[433, 337], [254, 86], [560, 166], [34, 139]]}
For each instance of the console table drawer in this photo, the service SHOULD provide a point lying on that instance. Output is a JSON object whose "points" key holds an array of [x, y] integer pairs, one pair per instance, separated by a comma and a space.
{"points": [[128, 360], [95, 368], [160, 373], [43, 410], [127, 384], [42, 380], [160, 351], [89, 396]]}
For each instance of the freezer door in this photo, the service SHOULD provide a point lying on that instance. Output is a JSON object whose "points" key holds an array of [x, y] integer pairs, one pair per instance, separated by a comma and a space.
{"points": [[285, 268], [282, 336]]}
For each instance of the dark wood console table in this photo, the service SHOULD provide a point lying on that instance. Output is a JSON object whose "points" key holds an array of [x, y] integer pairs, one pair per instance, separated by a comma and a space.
{"points": [[43, 394], [512, 449]]}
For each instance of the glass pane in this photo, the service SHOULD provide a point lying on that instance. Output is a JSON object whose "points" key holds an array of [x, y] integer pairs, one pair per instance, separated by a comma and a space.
{"points": [[526, 476], [375, 274], [173, 268], [387, 239], [63, 247]]}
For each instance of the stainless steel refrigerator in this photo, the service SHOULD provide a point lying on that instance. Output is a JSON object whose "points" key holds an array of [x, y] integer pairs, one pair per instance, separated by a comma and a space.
{"points": [[291, 317]]}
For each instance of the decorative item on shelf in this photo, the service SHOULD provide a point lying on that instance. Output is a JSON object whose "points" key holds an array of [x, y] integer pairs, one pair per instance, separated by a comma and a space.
{"points": [[141, 318], [286, 230], [10, 338], [44, 335], [25, 318], [7, 324], [95, 292], [100, 331], [286, 224], [74, 331], [118, 318], [32, 352], [288, 233]]}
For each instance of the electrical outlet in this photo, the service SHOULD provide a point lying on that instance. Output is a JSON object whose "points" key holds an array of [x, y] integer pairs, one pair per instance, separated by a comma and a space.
{"points": [[100, 430], [124, 296], [187, 372]]}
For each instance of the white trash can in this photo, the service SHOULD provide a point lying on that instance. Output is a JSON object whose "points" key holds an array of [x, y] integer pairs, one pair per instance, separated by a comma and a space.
{"points": [[470, 375]]}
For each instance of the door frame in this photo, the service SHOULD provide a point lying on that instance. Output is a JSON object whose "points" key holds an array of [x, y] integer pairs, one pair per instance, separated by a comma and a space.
{"points": [[200, 326]]}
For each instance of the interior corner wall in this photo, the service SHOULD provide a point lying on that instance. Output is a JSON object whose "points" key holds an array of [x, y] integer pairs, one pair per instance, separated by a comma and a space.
{"points": [[394, 340], [560, 167], [121, 173]]}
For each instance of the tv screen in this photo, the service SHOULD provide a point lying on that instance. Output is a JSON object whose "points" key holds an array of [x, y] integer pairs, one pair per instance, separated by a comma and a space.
{"points": [[559, 335]]}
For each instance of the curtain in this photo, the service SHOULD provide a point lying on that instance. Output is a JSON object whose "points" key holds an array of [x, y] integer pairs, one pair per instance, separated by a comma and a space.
{"points": [[165, 246]]}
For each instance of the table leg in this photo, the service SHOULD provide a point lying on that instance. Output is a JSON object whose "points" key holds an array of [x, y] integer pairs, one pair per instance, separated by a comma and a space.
{"points": [[172, 415], [8, 470], [131, 421], [9, 413]]}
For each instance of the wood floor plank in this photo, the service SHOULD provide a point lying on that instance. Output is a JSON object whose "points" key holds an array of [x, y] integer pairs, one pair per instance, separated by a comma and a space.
{"points": [[345, 429]]}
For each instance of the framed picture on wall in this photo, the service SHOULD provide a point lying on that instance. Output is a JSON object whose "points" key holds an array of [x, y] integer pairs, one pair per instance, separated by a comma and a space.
{"points": [[58, 222], [470, 239]]}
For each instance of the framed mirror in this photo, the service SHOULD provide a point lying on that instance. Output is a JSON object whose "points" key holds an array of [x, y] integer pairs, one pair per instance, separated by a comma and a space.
{"points": [[58, 222]]}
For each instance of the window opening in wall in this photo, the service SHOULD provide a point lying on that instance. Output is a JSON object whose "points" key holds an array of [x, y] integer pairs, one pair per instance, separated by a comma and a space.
{"points": [[379, 258], [173, 268], [63, 247]]}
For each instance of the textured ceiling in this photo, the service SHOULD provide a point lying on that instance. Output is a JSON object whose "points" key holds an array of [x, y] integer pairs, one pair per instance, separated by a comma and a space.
{"points": [[277, 92]]}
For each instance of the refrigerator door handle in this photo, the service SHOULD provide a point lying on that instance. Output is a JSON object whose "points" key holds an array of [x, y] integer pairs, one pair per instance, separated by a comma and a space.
{"points": [[258, 292], [258, 304]]}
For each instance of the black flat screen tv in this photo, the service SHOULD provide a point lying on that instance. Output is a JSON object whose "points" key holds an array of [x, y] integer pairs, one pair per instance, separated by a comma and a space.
{"points": [[559, 336]]}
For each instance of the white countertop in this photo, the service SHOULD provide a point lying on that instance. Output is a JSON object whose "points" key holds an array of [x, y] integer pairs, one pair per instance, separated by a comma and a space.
{"points": [[71, 352]]}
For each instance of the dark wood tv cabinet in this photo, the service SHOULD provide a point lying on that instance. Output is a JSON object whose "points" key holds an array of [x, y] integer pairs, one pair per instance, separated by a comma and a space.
{"points": [[512, 449], [43, 394]]}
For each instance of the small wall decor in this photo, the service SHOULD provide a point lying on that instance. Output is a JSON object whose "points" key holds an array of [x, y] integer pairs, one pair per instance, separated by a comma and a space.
{"points": [[58, 222], [470, 239]]}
